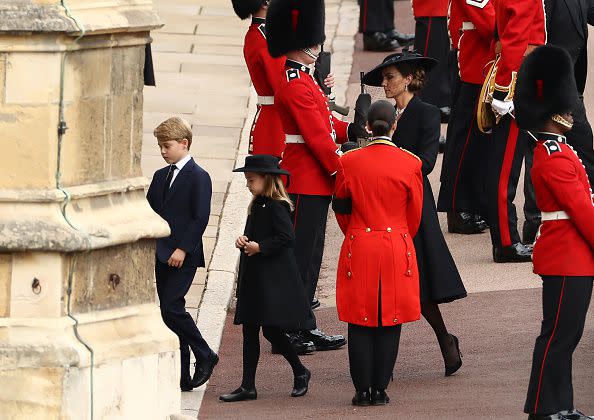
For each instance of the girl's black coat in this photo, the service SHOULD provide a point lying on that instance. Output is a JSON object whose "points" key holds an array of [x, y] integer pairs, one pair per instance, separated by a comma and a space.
{"points": [[418, 131], [269, 289]]}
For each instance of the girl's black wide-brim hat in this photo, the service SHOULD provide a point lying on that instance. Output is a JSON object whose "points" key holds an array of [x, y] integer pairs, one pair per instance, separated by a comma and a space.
{"points": [[374, 77], [265, 164], [545, 86]]}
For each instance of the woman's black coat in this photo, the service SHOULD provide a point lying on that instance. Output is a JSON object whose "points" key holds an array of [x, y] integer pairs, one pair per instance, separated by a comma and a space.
{"points": [[418, 131], [269, 289]]}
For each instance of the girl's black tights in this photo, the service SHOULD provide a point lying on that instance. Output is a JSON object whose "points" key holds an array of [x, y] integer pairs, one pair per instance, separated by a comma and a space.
{"points": [[251, 352]]}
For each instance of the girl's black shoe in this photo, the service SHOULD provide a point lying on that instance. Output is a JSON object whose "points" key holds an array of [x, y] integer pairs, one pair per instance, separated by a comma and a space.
{"points": [[300, 384], [379, 397], [240, 394], [362, 398]]}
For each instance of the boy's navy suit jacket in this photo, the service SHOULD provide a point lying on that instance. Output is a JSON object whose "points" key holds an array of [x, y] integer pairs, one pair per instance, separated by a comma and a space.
{"points": [[186, 208]]}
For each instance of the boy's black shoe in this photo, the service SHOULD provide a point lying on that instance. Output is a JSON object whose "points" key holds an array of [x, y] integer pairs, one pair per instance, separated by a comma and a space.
{"points": [[202, 372], [465, 223], [517, 252], [362, 398], [378, 41], [379, 397], [322, 341], [240, 394], [402, 39], [301, 384], [300, 346]]}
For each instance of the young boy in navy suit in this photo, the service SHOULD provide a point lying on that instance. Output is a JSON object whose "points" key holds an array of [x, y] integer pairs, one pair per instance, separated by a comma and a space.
{"points": [[180, 193]]}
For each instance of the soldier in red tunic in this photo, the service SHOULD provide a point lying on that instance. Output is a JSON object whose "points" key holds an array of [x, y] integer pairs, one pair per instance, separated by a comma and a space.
{"points": [[266, 135], [296, 29], [472, 24], [378, 204], [564, 252], [520, 28]]}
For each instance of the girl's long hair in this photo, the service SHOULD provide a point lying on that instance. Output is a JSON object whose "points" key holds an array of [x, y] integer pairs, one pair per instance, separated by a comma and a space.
{"points": [[275, 189]]}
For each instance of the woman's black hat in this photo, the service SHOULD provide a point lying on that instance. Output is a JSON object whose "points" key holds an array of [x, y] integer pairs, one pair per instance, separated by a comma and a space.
{"points": [[545, 86], [374, 77], [266, 164]]}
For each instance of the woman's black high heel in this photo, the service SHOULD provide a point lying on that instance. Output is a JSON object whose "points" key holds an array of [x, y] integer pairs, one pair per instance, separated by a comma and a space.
{"points": [[451, 369]]}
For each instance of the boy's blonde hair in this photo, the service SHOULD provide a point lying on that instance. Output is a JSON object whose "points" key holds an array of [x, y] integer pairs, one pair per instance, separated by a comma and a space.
{"points": [[275, 189], [174, 128]]}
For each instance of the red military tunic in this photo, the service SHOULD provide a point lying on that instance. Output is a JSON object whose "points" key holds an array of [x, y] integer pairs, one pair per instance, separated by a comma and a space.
{"points": [[311, 154], [520, 26], [385, 186], [454, 24], [430, 8], [477, 26], [564, 247], [267, 136]]}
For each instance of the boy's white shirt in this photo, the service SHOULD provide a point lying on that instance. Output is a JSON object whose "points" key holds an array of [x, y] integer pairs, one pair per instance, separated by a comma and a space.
{"points": [[178, 167]]}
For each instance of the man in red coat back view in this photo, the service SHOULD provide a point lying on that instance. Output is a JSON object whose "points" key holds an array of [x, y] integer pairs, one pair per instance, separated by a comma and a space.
{"points": [[296, 29]]}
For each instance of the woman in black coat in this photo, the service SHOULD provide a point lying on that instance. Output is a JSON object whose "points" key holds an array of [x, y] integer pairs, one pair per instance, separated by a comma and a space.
{"points": [[418, 130], [270, 293]]}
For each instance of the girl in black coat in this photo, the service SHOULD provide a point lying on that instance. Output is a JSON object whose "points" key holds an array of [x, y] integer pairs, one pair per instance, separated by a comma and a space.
{"points": [[418, 130], [270, 293]]}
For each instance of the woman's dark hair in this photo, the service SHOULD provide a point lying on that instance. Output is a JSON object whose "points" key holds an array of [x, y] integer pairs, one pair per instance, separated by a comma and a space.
{"points": [[418, 75], [381, 118]]}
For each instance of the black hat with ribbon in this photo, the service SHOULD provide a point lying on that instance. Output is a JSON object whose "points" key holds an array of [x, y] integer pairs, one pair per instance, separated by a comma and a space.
{"points": [[375, 77], [264, 164]]}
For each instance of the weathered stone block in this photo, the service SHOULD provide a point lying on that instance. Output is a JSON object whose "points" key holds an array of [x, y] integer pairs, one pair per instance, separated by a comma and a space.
{"points": [[121, 110], [133, 263], [88, 73], [32, 78], [5, 274]]}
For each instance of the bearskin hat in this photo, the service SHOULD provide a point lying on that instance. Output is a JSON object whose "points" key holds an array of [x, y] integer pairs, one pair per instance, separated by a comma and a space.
{"points": [[294, 25], [245, 8], [545, 86]]}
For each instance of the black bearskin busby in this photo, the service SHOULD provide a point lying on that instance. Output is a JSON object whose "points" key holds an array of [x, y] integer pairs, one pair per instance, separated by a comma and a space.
{"points": [[294, 25], [245, 8], [545, 86]]}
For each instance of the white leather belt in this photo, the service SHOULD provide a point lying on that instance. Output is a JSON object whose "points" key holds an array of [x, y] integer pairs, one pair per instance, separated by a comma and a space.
{"points": [[553, 215], [468, 26], [294, 139], [265, 100]]}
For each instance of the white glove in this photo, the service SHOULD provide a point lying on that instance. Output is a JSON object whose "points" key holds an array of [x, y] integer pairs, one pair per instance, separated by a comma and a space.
{"points": [[502, 107]]}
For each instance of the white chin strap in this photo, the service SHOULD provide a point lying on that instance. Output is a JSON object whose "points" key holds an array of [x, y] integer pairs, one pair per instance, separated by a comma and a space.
{"points": [[310, 53]]}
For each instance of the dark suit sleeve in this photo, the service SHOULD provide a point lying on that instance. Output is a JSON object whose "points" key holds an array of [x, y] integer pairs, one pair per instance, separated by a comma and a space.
{"points": [[428, 139], [150, 195], [284, 235], [591, 12], [200, 202]]}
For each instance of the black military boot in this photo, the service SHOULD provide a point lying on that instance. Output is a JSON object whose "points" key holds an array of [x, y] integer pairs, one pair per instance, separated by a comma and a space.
{"points": [[362, 398], [575, 415], [465, 223], [556, 416], [379, 397], [402, 39], [378, 41], [517, 252]]}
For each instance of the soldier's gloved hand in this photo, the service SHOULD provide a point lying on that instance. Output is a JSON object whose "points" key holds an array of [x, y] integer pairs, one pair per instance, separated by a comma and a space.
{"points": [[362, 108], [502, 107], [356, 131]]}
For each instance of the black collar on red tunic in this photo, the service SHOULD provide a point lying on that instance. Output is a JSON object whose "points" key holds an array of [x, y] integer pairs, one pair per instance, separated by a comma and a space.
{"points": [[543, 136], [258, 20], [292, 64]]}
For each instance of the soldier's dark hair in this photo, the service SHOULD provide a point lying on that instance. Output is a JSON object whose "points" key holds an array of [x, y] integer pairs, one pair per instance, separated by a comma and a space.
{"points": [[381, 118]]}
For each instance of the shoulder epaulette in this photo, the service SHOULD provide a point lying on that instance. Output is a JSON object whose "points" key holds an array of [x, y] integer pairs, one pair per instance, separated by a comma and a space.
{"points": [[410, 153], [292, 74], [552, 146], [262, 29]]}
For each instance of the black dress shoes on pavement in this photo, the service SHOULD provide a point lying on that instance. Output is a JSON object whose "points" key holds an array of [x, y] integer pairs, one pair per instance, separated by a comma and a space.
{"points": [[575, 415], [301, 384], [465, 223], [517, 252], [322, 341], [379, 397], [379, 41], [300, 345], [240, 394], [556, 416], [204, 370], [402, 39], [362, 398]]}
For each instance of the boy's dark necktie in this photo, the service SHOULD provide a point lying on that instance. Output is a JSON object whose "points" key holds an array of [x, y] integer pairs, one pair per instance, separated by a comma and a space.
{"points": [[168, 179]]}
